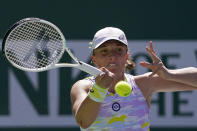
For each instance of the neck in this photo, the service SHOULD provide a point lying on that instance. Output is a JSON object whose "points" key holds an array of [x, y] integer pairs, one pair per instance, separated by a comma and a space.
{"points": [[120, 77]]}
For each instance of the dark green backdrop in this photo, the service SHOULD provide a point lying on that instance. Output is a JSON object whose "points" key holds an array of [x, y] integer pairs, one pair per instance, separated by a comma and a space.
{"points": [[79, 19]]}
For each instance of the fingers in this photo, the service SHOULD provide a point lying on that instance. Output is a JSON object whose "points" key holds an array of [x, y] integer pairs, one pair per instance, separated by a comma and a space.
{"points": [[154, 67], [151, 47], [156, 70], [153, 73], [146, 64], [105, 72], [105, 79], [152, 53]]}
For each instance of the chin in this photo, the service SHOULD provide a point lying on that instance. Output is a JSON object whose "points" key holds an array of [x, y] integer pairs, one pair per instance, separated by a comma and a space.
{"points": [[115, 70]]}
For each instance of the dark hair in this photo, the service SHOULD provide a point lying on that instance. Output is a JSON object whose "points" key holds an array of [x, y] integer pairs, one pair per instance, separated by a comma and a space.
{"points": [[130, 65]]}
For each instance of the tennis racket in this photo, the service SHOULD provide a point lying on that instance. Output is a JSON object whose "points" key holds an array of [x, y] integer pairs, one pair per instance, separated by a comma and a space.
{"points": [[36, 45]]}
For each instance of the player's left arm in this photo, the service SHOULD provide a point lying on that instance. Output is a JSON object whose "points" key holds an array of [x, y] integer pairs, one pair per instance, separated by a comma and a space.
{"points": [[187, 76]]}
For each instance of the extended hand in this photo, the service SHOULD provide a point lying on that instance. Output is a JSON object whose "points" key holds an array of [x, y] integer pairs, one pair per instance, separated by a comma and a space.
{"points": [[156, 66]]}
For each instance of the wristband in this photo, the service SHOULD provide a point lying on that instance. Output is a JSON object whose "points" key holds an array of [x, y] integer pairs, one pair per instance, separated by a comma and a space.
{"points": [[97, 93]]}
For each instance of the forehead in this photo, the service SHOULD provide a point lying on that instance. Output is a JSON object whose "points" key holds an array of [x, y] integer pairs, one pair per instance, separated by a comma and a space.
{"points": [[112, 43]]}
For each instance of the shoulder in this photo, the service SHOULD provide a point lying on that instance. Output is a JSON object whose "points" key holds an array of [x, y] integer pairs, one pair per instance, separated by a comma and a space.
{"points": [[145, 83], [79, 90], [141, 78], [81, 85]]}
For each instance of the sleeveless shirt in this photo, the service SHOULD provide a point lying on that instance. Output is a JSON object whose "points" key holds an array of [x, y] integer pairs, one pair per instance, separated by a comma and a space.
{"points": [[122, 113]]}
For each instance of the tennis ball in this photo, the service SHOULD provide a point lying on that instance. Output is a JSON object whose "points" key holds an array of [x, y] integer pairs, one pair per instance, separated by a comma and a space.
{"points": [[123, 89]]}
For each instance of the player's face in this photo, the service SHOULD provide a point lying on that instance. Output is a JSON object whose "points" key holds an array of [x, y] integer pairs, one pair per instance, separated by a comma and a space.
{"points": [[111, 55]]}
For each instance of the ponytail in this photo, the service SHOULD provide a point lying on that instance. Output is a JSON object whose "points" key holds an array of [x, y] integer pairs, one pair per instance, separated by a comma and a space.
{"points": [[130, 65]]}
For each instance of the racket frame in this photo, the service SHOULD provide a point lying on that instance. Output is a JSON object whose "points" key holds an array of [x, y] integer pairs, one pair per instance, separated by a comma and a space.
{"points": [[79, 64]]}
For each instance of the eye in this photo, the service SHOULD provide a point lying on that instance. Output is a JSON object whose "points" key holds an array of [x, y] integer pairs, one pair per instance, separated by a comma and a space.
{"points": [[119, 50], [104, 52]]}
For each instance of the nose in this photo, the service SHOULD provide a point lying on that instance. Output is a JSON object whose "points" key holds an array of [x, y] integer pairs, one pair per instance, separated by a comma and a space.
{"points": [[112, 56]]}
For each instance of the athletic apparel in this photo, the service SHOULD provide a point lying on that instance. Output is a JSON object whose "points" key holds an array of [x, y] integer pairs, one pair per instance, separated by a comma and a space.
{"points": [[122, 113]]}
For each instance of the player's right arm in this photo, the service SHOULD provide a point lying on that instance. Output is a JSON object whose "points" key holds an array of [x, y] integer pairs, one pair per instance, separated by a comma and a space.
{"points": [[84, 109]]}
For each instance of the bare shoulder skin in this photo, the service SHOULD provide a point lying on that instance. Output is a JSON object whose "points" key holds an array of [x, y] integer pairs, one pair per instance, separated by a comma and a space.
{"points": [[182, 80]]}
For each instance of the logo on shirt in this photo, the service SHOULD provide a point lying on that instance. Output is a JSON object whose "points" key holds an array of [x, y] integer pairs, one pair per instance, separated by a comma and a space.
{"points": [[116, 106], [91, 90]]}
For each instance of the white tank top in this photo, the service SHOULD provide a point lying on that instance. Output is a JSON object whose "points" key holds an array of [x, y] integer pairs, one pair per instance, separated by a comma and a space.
{"points": [[122, 113]]}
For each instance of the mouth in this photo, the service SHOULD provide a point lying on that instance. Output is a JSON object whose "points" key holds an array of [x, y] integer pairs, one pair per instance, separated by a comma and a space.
{"points": [[112, 65]]}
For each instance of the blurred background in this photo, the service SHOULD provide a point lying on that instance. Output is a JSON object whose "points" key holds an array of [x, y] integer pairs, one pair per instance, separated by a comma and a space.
{"points": [[40, 101]]}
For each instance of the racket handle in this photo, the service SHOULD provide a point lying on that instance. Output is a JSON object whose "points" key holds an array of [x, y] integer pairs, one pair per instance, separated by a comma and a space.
{"points": [[89, 69]]}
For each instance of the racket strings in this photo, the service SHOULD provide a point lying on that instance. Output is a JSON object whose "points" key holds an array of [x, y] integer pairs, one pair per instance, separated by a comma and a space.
{"points": [[34, 45]]}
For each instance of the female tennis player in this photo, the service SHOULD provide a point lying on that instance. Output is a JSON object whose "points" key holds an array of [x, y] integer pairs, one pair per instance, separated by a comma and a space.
{"points": [[95, 104]]}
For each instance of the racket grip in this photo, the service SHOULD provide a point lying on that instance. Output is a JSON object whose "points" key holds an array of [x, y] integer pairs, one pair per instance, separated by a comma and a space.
{"points": [[89, 69]]}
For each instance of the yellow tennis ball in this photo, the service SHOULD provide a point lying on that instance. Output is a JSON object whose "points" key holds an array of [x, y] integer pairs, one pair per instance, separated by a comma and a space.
{"points": [[123, 89]]}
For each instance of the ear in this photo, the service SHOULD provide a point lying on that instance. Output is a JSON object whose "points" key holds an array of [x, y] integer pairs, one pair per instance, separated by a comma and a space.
{"points": [[127, 56], [93, 59]]}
